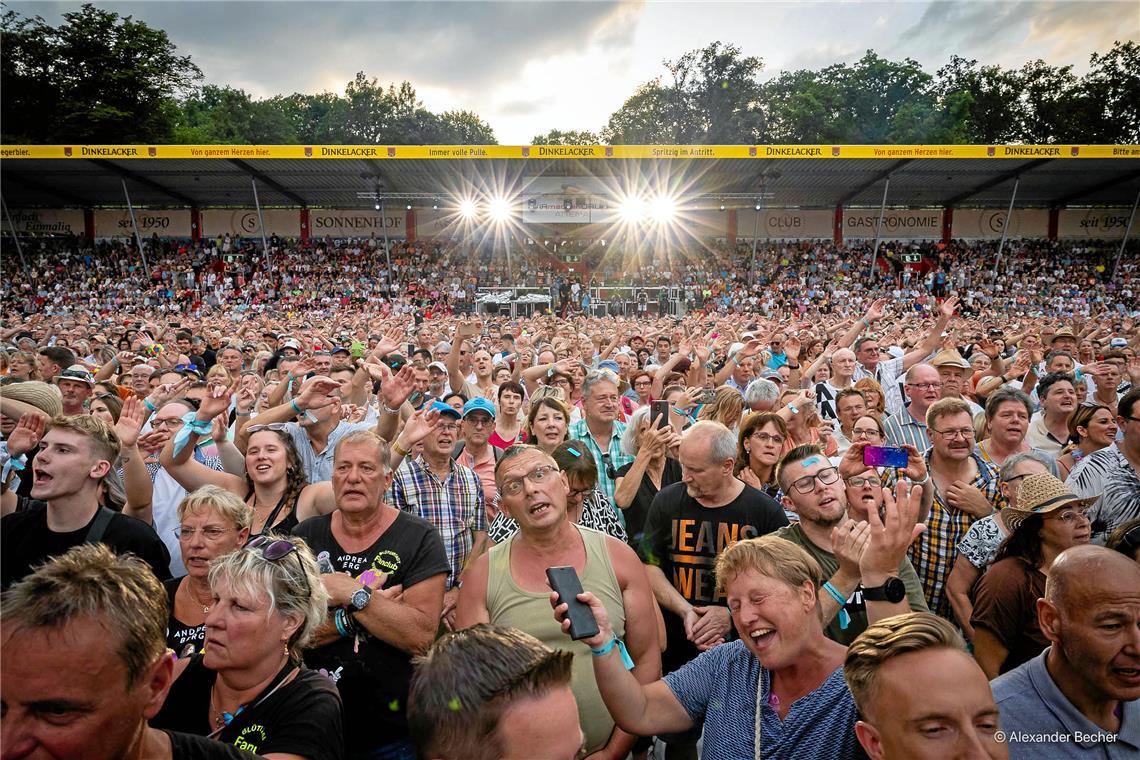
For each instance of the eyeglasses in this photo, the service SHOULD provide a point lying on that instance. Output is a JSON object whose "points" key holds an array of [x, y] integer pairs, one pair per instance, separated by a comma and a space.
{"points": [[866, 433], [860, 482], [826, 476], [611, 471], [769, 437], [925, 386], [210, 532], [514, 486], [1014, 478], [173, 422], [478, 422], [276, 427], [449, 427], [965, 433], [580, 493], [1073, 515]]}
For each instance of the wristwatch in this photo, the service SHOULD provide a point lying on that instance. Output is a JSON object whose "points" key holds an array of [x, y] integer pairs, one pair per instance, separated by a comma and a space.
{"points": [[360, 598], [893, 591]]}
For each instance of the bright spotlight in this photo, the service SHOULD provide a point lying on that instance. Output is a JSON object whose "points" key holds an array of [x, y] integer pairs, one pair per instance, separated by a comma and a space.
{"points": [[499, 209], [467, 208], [662, 209], [409, 207], [377, 206], [632, 209]]}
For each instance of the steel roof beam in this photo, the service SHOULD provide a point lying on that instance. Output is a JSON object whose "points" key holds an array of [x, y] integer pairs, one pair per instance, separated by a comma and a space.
{"points": [[1003, 177], [1106, 184], [872, 182], [268, 181], [144, 181]]}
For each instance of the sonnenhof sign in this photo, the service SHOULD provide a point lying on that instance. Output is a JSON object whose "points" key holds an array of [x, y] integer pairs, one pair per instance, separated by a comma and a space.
{"points": [[523, 152]]}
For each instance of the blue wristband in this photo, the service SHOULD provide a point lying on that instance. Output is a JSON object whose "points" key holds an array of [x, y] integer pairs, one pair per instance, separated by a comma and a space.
{"points": [[844, 618], [148, 405], [340, 623], [615, 641], [300, 412]]}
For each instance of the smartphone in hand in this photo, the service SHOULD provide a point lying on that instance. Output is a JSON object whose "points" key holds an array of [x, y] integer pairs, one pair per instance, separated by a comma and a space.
{"points": [[564, 580], [885, 456], [658, 414]]}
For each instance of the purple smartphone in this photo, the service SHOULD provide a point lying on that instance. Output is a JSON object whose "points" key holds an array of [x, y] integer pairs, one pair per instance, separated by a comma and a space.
{"points": [[884, 456]]}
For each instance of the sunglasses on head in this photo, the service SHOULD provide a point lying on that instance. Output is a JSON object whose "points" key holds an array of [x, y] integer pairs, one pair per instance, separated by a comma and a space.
{"points": [[271, 549]]}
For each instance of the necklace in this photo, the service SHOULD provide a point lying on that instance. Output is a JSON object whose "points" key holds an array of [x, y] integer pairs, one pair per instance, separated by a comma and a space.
{"points": [[195, 599]]}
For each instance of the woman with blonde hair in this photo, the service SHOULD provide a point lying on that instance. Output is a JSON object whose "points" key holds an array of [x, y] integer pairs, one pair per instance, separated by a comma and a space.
{"points": [[727, 407], [249, 687], [873, 395], [211, 522]]}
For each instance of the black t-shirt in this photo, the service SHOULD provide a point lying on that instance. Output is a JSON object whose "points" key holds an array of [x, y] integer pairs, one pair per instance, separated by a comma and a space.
{"points": [[184, 639], [636, 512], [190, 747], [26, 541], [374, 681], [301, 717]]}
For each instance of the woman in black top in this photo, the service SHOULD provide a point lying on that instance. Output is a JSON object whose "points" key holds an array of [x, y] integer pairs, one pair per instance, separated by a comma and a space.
{"points": [[274, 484], [211, 522], [249, 687], [652, 468]]}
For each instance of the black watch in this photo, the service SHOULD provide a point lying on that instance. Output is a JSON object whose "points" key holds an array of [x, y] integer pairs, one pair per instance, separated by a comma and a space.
{"points": [[893, 591], [360, 598]]}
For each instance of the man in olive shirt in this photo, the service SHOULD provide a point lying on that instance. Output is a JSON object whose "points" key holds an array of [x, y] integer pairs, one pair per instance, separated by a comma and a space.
{"points": [[862, 555]]}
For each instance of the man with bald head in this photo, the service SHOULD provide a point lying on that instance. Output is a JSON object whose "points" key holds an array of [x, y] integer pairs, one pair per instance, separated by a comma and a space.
{"points": [[1084, 687]]}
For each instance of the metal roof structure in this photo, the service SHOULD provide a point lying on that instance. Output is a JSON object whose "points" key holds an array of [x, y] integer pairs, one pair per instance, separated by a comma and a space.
{"points": [[786, 176]]}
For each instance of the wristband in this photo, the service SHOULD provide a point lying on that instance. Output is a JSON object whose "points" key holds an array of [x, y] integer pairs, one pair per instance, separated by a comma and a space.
{"points": [[396, 447], [388, 409], [339, 620], [615, 641], [793, 366], [793, 409], [844, 618], [242, 414], [115, 361], [300, 412], [148, 405], [17, 463], [922, 482], [866, 322]]}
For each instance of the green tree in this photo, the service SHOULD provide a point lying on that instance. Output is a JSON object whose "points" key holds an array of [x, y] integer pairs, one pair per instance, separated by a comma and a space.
{"points": [[717, 96], [224, 115], [466, 128], [802, 107], [645, 118], [568, 137], [98, 77], [1111, 95], [994, 110]]}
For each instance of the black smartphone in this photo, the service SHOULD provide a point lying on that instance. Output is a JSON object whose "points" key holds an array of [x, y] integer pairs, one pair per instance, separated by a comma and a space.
{"points": [[659, 414], [564, 580], [885, 456]]}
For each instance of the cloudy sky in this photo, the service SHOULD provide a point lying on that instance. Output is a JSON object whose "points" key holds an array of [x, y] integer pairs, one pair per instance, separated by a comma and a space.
{"points": [[527, 67]]}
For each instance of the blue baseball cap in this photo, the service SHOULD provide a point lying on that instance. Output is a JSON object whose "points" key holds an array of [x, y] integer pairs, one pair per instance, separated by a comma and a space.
{"points": [[479, 404], [443, 408]]}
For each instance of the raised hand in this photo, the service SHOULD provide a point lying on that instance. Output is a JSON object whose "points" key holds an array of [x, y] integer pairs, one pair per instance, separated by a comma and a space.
{"points": [[848, 542], [27, 434], [889, 538], [946, 308], [167, 391], [216, 402], [398, 388], [317, 393], [418, 426], [131, 420]]}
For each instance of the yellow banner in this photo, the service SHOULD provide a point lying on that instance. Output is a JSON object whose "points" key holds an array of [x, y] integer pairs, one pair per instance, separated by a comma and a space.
{"points": [[523, 152]]}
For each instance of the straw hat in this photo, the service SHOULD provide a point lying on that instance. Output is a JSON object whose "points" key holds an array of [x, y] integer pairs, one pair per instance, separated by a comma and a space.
{"points": [[1041, 494], [949, 358], [42, 396]]}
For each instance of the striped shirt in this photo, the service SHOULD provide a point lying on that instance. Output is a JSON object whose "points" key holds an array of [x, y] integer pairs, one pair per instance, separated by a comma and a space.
{"points": [[934, 551], [904, 428], [454, 506], [580, 431]]}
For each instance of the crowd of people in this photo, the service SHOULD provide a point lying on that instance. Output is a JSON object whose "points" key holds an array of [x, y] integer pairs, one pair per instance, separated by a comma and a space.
{"points": [[299, 505]]}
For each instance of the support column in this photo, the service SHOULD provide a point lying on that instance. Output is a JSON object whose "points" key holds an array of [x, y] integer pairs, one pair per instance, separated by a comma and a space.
{"points": [[260, 224], [1005, 225], [947, 225], [410, 225], [837, 226], [15, 234], [755, 241], [387, 247], [304, 226], [195, 225], [1127, 232], [135, 226], [879, 226], [730, 228], [1054, 223], [89, 224]]}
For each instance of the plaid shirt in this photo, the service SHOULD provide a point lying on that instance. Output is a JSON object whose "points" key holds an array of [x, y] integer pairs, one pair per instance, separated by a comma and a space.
{"points": [[454, 506], [933, 553], [579, 431]]}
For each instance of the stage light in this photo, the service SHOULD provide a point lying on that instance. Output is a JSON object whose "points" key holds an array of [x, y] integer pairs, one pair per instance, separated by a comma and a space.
{"points": [[435, 207], [662, 209], [499, 209], [467, 208], [632, 209], [757, 207], [377, 206], [722, 207], [409, 207]]}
